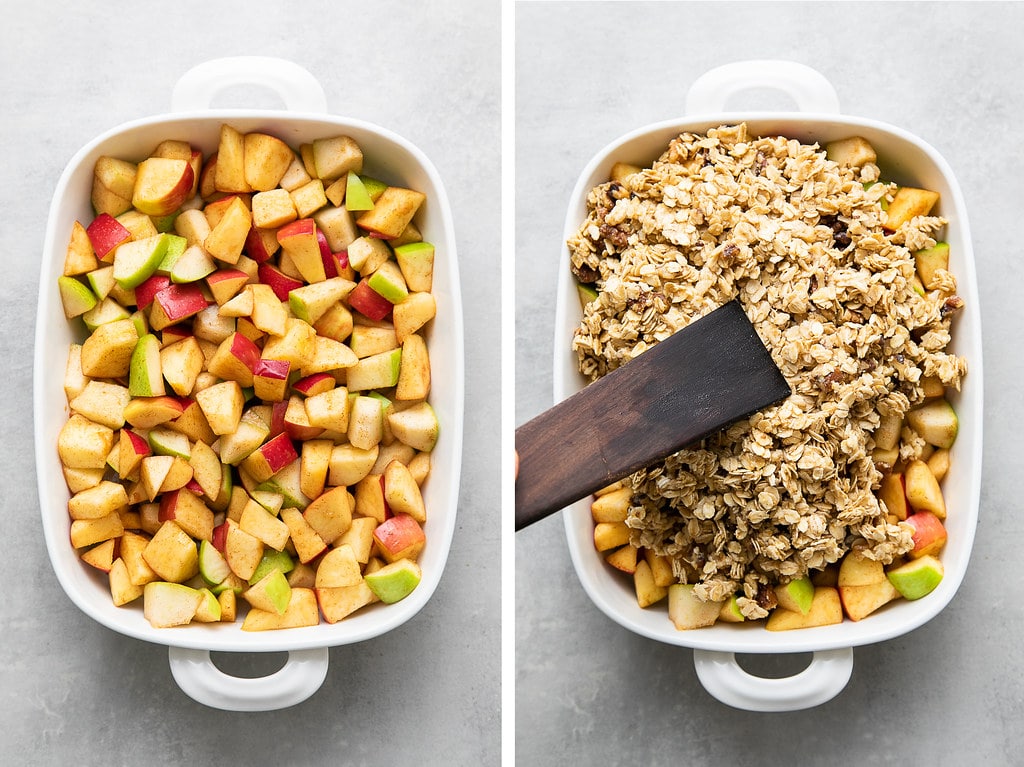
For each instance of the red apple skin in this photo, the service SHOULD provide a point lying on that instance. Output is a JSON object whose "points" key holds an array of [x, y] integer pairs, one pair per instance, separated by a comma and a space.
{"points": [[106, 233], [220, 537], [181, 301], [301, 432], [330, 265], [226, 274], [278, 281], [254, 248], [276, 369], [168, 502], [278, 452], [342, 258], [315, 383], [929, 533], [173, 198], [277, 424], [298, 228], [146, 291], [245, 351], [139, 443], [195, 488], [398, 533], [368, 301]]}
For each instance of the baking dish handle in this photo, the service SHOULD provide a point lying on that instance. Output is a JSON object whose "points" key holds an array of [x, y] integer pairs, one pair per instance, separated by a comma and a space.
{"points": [[300, 91], [822, 680], [811, 91], [198, 677]]}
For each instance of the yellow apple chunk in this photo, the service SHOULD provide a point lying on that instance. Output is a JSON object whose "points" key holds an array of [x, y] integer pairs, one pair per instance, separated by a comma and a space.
{"points": [[330, 514], [172, 554], [302, 610], [612, 507], [826, 609], [624, 558], [687, 611], [338, 602], [122, 590], [610, 535], [647, 591]]}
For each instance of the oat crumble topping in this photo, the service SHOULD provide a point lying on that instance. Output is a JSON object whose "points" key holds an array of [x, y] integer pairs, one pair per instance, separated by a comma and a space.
{"points": [[800, 242]]}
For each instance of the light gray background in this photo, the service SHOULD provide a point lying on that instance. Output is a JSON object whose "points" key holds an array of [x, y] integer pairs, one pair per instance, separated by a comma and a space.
{"points": [[590, 692], [74, 692]]}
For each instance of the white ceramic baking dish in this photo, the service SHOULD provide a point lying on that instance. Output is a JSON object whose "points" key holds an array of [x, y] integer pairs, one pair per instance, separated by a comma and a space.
{"points": [[904, 158], [389, 157]]}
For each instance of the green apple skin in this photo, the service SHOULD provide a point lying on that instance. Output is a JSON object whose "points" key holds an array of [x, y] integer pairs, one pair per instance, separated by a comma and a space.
{"points": [[212, 566], [277, 588], [144, 376], [801, 593], [918, 577], [75, 296], [357, 197], [175, 247], [587, 293], [394, 581], [272, 560], [387, 288], [374, 187], [135, 261]]}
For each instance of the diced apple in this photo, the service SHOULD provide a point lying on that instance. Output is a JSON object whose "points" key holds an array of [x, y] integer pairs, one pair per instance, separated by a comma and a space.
{"points": [[929, 534], [298, 239], [169, 604], [172, 554], [271, 593], [936, 422], [107, 352], [853, 152], [416, 260], [380, 371], [302, 610], [826, 609], [647, 591], [337, 603], [922, 489], [113, 185], [189, 512], [401, 492], [687, 611], [392, 211], [369, 302], [415, 426], [102, 403], [414, 371], [395, 580], [162, 185], [918, 577], [624, 558], [398, 537], [266, 158], [308, 544], [242, 550], [907, 203], [228, 236], [892, 493], [335, 156]]}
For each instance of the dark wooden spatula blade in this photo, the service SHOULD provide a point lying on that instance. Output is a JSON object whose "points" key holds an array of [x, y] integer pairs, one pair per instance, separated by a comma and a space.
{"points": [[704, 377]]}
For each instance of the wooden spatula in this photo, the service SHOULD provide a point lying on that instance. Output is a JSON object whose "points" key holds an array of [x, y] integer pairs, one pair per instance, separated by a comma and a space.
{"points": [[704, 377]]}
